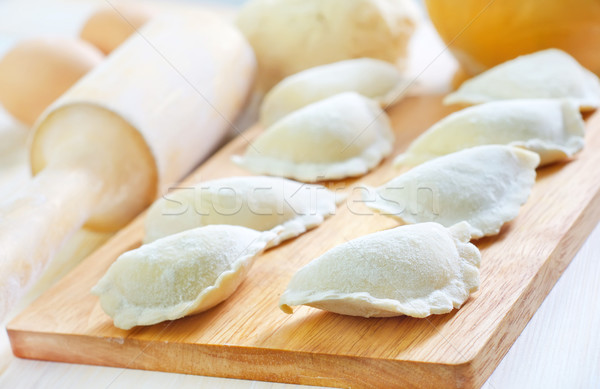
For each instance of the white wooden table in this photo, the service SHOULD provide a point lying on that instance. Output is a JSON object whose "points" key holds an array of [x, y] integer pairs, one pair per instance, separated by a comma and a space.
{"points": [[559, 348]]}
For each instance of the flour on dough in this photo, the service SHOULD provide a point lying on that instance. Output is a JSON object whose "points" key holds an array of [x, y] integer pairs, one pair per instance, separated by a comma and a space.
{"points": [[373, 78], [484, 186], [257, 202], [345, 135], [552, 128], [416, 270], [550, 73], [179, 275]]}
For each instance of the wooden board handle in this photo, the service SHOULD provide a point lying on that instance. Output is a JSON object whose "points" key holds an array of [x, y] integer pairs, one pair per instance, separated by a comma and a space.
{"points": [[36, 221]]}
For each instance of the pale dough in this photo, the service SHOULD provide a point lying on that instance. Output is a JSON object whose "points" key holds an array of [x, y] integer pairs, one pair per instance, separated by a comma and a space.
{"points": [[414, 270], [345, 135], [292, 35], [548, 73], [484, 186], [179, 275], [257, 202], [376, 79], [552, 128]]}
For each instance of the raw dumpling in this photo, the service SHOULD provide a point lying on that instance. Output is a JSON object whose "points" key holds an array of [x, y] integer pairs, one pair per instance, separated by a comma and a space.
{"points": [[549, 73], [484, 186], [179, 275], [376, 79], [260, 203], [343, 136], [415, 270], [552, 128]]}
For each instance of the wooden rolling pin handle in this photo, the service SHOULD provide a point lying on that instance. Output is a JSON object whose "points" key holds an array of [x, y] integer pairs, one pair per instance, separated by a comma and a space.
{"points": [[36, 221]]}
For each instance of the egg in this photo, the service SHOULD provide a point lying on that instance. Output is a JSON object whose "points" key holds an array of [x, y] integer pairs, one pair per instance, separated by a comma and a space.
{"points": [[108, 27], [36, 72]]}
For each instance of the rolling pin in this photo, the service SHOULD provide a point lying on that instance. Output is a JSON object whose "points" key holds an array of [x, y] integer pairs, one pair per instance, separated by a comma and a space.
{"points": [[136, 124]]}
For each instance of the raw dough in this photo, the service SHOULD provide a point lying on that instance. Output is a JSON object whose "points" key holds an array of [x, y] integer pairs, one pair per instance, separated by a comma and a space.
{"points": [[376, 79], [552, 128], [415, 270], [548, 73], [343, 136], [179, 275], [257, 202], [292, 35], [484, 186]]}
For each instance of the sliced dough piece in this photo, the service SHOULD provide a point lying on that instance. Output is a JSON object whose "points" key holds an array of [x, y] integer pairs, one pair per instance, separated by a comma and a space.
{"points": [[373, 78], [258, 202], [415, 270], [179, 275], [484, 186], [552, 128], [343, 136], [548, 73]]}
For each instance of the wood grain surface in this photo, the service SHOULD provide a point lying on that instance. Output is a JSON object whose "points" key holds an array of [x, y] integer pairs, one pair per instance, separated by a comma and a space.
{"points": [[248, 337]]}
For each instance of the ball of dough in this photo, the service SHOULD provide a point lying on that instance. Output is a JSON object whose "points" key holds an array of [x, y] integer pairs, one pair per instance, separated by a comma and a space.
{"points": [[292, 35], [107, 28], [36, 72]]}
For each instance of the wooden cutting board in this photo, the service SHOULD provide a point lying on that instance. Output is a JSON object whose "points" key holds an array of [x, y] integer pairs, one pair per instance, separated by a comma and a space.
{"points": [[248, 336]]}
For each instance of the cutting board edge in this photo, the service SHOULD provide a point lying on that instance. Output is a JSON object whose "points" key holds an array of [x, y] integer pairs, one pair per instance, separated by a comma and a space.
{"points": [[536, 291], [248, 363]]}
